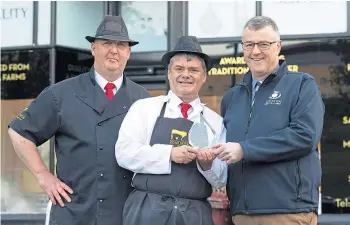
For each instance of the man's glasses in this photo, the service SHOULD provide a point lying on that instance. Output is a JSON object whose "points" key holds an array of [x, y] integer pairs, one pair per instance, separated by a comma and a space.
{"points": [[181, 70], [261, 45]]}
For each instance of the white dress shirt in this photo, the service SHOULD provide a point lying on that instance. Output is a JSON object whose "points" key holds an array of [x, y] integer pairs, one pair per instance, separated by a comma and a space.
{"points": [[101, 81], [134, 152]]}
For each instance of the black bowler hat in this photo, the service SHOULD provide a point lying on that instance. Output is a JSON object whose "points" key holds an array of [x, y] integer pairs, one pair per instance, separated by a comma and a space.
{"points": [[187, 44], [112, 28]]}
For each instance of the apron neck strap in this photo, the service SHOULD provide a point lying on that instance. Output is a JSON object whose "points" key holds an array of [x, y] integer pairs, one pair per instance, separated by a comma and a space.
{"points": [[163, 110], [202, 120]]}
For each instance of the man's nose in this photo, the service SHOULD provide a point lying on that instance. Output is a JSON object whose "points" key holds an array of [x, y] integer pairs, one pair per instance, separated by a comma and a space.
{"points": [[256, 50], [114, 48], [185, 74]]}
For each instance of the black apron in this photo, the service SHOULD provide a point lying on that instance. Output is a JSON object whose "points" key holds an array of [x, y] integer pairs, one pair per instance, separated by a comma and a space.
{"points": [[179, 198]]}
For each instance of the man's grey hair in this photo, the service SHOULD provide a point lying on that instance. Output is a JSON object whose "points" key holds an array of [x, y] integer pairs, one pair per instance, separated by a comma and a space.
{"points": [[189, 57], [260, 22]]}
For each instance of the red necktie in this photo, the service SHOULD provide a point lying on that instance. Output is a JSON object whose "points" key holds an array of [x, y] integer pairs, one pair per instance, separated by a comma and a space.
{"points": [[109, 91], [184, 109]]}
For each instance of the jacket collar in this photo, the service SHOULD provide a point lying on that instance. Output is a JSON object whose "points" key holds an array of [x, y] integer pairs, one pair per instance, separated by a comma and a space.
{"points": [[88, 91], [174, 102], [273, 77]]}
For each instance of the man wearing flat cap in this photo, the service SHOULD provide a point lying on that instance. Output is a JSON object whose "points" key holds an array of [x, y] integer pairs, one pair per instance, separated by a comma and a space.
{"points": [[172, 179], [84, 114]]}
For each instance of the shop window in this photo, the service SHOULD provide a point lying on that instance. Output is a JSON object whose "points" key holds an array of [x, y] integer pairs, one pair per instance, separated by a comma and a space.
{"points": [[71, 63], [228, 67], [147, 23], [24, 74], [307, 17], [44, 22], [75, 20], [213, 20]]}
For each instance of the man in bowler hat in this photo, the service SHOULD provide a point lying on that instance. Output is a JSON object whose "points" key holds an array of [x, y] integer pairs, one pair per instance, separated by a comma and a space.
{"points": [[172, 179], [84, 114]]}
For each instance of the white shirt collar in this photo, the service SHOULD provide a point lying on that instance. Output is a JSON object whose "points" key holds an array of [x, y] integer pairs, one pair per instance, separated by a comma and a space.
{"points": [[102, 81], [174, 103]]}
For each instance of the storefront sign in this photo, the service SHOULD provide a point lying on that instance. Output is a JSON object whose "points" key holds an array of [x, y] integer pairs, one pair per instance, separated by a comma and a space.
{"points": [[228, 65], [13, 13], [24, 74], [346, 121], [336, 148], [16, 23], [14, 71], [342, 203], [346, 144]]}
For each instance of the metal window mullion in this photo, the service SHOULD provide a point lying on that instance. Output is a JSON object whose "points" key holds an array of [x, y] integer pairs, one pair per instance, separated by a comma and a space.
{"points": [[53, 59], [35, 22]]}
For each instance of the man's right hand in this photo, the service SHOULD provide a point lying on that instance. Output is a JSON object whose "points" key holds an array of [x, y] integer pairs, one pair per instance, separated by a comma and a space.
{"points": [[183, 154], [54, 187]]}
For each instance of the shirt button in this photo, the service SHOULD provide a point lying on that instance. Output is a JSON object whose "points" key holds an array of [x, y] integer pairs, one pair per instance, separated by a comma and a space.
{"points": [[175, 207], [100, 147], [124, 176], [101, 174], [101, 200]]}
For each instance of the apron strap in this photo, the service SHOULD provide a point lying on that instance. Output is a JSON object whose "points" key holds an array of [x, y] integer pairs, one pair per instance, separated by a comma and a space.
{"points": [[163, 110], [203, 121], [201, 118]]}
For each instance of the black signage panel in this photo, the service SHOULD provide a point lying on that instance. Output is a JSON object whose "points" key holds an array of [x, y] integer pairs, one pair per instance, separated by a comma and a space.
{"points": [[335, 142], [71, 63], [24, 74]]}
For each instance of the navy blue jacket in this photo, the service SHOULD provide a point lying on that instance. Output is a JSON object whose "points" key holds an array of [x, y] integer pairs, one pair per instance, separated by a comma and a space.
{"points": [[281, 171]]}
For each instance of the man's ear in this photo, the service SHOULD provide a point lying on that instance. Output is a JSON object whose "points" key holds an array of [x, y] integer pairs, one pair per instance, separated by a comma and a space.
{"points": [[93, 47], [169, 73], [205, 76], [129, 52], [279, 45]]}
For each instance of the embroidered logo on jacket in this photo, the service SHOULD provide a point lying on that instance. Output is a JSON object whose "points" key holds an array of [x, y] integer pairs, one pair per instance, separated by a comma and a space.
{"points": [[21, 115], [274, 99]]}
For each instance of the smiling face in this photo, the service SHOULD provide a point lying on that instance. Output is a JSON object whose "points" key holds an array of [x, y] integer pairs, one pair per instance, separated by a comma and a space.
{"points": [[186, 76], [264, 59], [110, 56]]}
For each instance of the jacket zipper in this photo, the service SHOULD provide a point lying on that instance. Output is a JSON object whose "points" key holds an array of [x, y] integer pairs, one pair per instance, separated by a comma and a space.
{"points": [[243, 163], [246, 132], [299, 181]]}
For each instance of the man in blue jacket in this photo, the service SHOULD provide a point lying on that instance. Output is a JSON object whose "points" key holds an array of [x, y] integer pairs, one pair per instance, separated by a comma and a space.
{"points": [[274, 121]]}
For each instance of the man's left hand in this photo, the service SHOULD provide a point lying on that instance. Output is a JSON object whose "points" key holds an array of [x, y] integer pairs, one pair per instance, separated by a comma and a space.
{"points": [[230, 152], [205, 158]]}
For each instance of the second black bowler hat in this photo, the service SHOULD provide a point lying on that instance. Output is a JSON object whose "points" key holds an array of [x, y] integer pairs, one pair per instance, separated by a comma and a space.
{"points": [[187, 44]]}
